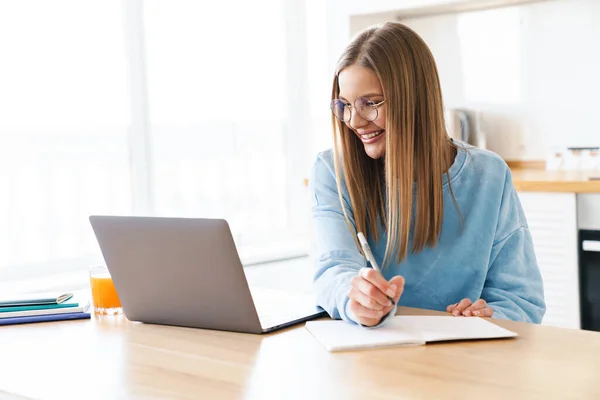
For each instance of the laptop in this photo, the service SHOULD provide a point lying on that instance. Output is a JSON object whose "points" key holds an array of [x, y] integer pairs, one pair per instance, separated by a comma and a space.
{"points": [[187, 272]]}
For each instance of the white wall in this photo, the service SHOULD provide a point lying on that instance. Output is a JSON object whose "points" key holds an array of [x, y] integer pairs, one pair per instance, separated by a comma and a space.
{"points": [[533, 71]]}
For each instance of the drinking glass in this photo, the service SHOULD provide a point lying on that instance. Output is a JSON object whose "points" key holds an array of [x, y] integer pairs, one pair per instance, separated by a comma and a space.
{"points": [[104, 295]]}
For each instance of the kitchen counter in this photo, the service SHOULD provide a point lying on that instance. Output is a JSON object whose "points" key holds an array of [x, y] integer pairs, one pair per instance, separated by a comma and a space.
{"points": [[534, 179]]}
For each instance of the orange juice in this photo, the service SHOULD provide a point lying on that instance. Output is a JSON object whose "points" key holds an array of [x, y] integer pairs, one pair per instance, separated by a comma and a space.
{"points": [[104, 295]]}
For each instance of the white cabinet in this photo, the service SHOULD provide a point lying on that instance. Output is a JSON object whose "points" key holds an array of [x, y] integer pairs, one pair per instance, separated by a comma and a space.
{"points": [[391, 10], [588, 211], [407, 8], [552, 219]]}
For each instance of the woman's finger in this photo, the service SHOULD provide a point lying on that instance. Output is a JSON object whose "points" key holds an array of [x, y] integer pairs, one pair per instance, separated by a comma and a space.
{"points": [[365, 316], [369, 321], [386, 311], [485, 312], [372, 292], [377, 280], [479, 304], [399, 282], [451, 307], [464, 303], [364, 300]]}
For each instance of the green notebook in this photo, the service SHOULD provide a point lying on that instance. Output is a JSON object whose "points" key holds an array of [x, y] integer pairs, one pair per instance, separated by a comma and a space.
{"points": [[67, 304], [34, 299]]}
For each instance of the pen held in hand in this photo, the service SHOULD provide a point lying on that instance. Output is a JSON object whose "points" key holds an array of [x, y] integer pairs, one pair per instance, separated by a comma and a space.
{"points": [[370, 258]]}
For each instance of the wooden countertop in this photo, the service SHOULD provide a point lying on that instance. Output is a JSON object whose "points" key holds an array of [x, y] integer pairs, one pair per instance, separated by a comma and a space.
{"points": [[540, 180], [533, 177], [112, 358]]}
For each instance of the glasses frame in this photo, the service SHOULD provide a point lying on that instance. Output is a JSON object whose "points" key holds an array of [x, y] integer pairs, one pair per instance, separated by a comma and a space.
{"points": [[350, 107]]}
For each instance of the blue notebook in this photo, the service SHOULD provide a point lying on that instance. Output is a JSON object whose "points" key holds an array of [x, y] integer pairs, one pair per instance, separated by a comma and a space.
{"points": [[44, 318]]}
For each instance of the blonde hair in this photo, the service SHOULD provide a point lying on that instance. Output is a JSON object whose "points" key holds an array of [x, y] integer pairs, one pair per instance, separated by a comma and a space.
{"points": [[418, 148]]}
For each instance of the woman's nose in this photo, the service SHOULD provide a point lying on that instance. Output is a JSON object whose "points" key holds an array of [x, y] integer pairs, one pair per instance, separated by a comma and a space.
{"points": [[356, 121]]}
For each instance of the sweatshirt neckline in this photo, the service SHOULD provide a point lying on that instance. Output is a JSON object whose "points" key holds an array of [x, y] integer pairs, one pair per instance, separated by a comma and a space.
{"points": [[460, 161]]}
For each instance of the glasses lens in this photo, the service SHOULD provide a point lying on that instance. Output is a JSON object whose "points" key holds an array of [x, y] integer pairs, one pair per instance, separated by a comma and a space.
{"points": [[340, 110], [366, 108]]}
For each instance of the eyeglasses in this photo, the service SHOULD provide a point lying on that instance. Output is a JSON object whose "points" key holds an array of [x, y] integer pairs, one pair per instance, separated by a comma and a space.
{"points": [[366, 108]]}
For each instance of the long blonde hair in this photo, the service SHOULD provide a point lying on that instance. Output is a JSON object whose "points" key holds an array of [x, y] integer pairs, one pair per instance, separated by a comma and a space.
{"points": [[418, 148]]}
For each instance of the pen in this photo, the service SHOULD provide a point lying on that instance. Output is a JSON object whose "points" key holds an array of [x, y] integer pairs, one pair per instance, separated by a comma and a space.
{"points": [[370, 258]]}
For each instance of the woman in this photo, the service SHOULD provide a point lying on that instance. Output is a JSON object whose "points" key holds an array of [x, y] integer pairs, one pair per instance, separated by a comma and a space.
{"points": [[441, 217]]}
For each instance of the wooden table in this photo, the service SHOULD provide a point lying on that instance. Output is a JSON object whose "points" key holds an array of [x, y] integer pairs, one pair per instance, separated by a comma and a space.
{"points": [[112, 358]]}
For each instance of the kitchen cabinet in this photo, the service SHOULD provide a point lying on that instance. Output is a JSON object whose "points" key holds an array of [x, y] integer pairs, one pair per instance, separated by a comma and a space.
{"points": [[369, 12], [409, 8], [552, 220]]}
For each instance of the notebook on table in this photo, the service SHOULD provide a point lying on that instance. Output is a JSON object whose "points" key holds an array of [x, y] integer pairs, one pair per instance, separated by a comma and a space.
{"points": [[74, 305], [337, 335], [43, 307], [34, 299], [44, 318]]}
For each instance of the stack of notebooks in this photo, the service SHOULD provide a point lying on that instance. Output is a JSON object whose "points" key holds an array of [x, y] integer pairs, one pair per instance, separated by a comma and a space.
{"points": [[22, 309]]}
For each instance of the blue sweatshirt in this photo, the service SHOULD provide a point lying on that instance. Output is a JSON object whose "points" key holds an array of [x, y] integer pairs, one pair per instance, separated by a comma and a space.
{"points": [[490, 256]]}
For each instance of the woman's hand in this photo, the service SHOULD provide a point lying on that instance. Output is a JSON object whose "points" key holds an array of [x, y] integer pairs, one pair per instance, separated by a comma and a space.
{"points": [[368, 295], [468, 309]]}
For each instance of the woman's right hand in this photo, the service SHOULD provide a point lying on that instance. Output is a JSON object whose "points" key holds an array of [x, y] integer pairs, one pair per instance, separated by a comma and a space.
{"points": [[368, 296]]}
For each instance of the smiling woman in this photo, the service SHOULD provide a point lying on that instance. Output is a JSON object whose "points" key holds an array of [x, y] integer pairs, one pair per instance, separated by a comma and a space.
{"points": [[442, 217], [368, 118]]}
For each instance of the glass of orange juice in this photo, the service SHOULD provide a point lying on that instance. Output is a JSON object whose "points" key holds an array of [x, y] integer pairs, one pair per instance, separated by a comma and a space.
{"points": [[104, 295]]}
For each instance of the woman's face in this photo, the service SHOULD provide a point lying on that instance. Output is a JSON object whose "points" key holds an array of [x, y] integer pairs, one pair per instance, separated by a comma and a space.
{"points": [[355, 82]]}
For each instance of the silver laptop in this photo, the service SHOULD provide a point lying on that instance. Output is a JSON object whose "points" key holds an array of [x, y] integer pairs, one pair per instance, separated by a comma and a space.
{"points": [[187, 272]]}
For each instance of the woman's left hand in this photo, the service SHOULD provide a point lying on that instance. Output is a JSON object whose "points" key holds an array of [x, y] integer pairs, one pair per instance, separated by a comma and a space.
{"points": [[468, 309]]}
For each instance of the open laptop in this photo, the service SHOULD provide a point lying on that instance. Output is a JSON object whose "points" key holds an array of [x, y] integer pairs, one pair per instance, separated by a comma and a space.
{"points": [[187, 272]]}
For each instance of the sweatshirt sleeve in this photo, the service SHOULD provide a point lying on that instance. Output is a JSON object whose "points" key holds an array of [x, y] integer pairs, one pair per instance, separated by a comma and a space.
{"points": [[337, 256], [513, 286]]}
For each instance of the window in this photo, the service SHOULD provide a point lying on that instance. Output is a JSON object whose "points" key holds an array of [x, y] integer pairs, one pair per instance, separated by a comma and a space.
{"points": [[63, 126], [219, 131], [219, 120], [490, 45]]}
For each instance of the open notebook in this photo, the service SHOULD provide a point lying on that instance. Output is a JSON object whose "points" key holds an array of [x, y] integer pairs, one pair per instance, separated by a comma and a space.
{"points": [[336, 335]]}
